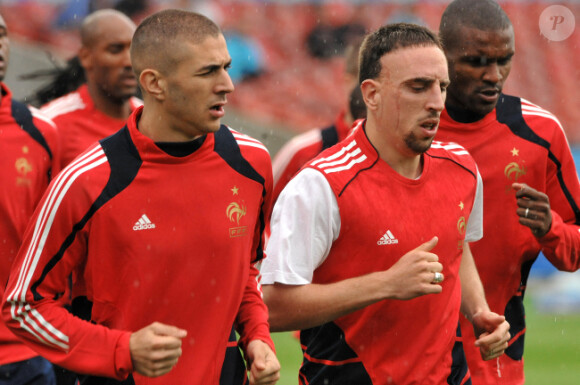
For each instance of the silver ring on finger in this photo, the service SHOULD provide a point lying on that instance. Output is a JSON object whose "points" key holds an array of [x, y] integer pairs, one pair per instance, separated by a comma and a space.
{"points": [[438, 277], [527, 212]]}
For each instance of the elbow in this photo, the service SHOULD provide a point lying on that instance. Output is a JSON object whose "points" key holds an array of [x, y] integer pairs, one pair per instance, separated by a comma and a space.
{"points": [[567, 264], [279, 318], [8, 315], [278, 323]]}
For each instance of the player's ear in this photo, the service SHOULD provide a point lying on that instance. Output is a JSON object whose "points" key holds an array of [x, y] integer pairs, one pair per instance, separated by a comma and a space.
{"points": [[370, 92], [153, 83], [85, 58]]}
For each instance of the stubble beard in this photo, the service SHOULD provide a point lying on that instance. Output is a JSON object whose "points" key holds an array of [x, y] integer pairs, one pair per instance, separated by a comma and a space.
{"points": [[416, 145]]}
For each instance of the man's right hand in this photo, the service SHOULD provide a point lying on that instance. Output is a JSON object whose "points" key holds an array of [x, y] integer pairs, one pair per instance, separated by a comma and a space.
{"points": [[413, 274], [155, 349]]}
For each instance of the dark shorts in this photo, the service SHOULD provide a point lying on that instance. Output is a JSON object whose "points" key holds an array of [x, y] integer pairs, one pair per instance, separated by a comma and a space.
{"points": [[35, 371]]}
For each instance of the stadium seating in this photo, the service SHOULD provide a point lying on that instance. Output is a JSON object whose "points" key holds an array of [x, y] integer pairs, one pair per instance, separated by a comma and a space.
{"points": [[299, 91]]}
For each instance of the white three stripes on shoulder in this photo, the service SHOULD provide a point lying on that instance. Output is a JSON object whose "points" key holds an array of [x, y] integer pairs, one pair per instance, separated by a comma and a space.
{"points": [[40, 115], [338, 161], [63, 105], [529, 108], [451, 147], [245, 140], [336, 155], [30, 319]]}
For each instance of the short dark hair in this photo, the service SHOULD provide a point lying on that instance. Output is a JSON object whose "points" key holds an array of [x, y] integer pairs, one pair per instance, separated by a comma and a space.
{"points": [[388, 38], [485, 15], [155, 41], [351, 54], [356, 104]]}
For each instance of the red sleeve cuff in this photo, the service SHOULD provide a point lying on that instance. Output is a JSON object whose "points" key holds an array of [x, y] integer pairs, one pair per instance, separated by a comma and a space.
{"points": [[262, 335], [123, 361], [552, 237]]}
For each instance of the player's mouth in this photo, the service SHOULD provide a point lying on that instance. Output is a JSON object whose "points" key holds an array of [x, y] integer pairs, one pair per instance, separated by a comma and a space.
{"points": [[430, 125], [489, 95], [217, 110], [129, 80]]}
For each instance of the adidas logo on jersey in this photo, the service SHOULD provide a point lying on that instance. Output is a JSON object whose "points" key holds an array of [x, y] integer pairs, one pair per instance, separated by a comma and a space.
{"points": [[143, 224], [388, 239]]}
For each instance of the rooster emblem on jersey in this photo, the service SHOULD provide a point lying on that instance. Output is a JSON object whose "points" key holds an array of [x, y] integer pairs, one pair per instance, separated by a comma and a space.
{"points": [[461, 229], [513, 171], [461, 225], [235, 212], [23, 167]]}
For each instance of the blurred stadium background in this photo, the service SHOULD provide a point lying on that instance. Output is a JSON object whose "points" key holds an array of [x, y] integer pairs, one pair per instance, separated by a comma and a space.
{"points": [[287, 83]]}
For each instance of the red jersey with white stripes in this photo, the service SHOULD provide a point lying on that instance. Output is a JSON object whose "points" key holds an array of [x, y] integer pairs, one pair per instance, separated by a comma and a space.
{"points": [[28, 144], [383, 215], [80, 124], [152, 237], [516, 142], [303, 148]]}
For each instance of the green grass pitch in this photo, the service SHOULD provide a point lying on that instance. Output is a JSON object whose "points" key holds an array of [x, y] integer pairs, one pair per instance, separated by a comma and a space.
{"points": [[552, 350]]}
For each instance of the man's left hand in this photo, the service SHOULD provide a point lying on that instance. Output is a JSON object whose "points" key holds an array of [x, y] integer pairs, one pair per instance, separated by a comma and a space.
{"points": [[264, 366], [492, 332], [533, 209]]}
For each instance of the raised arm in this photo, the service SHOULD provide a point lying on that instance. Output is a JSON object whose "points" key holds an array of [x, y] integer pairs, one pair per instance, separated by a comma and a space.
{"points": [[553, 210], [305, 223], [315, 304], [559, 237]]}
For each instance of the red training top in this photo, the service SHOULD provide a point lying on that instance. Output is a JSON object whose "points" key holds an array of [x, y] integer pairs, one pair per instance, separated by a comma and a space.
{"points": [[154, 237], [516, 142], [383, 215], [29, 148], [79, 123]]}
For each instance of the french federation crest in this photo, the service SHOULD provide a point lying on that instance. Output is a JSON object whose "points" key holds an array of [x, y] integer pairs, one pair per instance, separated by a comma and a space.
{"points": [[23, 167], [235, 212], [514, 171]]}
